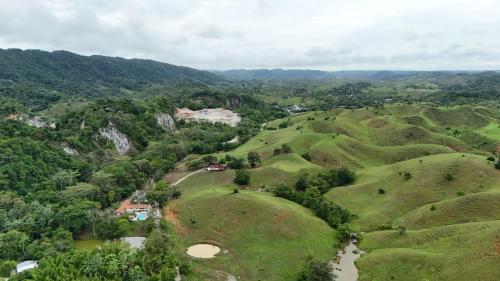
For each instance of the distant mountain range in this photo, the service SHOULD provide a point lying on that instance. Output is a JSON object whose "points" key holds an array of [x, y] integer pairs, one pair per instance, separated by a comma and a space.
{"points": [[307, 74]]}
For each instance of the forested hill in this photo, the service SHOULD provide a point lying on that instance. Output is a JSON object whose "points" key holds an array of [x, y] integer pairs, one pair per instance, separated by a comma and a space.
{"points": [[35, 74]]}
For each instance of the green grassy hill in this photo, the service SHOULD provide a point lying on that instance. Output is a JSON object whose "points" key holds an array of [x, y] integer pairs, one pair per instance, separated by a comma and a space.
{"points": [[428, 185], [266, 238], [419, 167], [468, 251]]}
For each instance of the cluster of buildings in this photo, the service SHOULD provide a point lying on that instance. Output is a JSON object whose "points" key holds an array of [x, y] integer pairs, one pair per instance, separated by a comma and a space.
{"points": [[136, 207]]}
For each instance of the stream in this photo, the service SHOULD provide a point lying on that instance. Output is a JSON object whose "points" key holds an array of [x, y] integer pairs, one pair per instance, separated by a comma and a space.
{"points": [[345, 269]]}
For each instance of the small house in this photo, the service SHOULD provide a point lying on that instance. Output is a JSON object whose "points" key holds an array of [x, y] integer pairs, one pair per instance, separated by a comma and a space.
{"points": [[128, 207], [216, 167]]}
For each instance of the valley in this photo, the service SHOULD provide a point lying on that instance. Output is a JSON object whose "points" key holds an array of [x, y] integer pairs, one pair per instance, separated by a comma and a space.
{"points": [[217, 178]]}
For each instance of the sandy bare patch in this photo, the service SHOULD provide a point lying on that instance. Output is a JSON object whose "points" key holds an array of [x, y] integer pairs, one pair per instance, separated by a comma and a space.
{"points": [[212, 115], [203, 251]]}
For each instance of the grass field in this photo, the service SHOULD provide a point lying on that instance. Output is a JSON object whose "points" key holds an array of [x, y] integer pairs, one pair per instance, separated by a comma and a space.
{"points": [[428, 185], [266, 238], [449, 205], [468, 251]]}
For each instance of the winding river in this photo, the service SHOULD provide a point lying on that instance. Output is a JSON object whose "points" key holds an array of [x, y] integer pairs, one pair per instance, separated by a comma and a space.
{"points": [[345, 269]]}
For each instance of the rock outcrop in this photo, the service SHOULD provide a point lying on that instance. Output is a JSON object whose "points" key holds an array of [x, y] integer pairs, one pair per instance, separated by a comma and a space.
{"points": [[165, 121], [122, 144], [69, 150], [35, 121]]}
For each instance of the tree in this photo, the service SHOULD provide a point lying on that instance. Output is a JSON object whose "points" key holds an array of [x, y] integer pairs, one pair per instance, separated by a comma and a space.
{"points": [[345, 177], [209, 159], [81, 191], [7, 267], [497, 164], [157, 252], [64, 178], [242, 177], [74, 216], [109, 228], [236, 163], [253, 158], [303, 181], [13, 244], [316, 271]]}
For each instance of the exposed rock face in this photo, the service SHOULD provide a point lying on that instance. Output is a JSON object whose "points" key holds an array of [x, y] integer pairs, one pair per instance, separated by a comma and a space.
{"points": [[122, 144], [38, 122], [233, 102], [35, 121], [69, 150], [165, 121]]}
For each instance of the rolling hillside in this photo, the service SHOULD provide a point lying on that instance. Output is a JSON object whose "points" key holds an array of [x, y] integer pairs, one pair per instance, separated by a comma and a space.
{"points": [[254, 230], [426, 196]]}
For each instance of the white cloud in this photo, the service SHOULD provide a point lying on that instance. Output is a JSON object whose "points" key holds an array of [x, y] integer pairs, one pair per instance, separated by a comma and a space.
{"points": [[222, 34]]}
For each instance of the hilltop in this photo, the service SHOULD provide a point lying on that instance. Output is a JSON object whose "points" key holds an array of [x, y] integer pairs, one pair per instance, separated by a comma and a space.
{"points": [[30, 75]]}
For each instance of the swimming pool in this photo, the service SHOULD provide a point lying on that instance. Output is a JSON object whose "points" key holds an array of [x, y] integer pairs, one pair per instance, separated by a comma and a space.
{"points": [[141, 216]]}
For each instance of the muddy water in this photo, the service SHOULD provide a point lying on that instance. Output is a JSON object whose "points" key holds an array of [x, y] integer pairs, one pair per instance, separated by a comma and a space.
{"points": [[346, 269], [203, 251]]}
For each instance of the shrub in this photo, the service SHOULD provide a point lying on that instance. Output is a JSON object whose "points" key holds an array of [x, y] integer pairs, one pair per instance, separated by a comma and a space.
{"points": [[253, 158], [401, 230], [497, 164], [7, 267], [344, 232], [236, 191], [286, 149], [208, 159], [406, 175], [316, 270], [460, 193], [433, 207], [195, 164], [236, 163], [185, 268], [449, 176], [345, 177], [381, 191], [306, 156], [283, 149], [303, 182], [284, 124], [242, 177], [490, 158]]}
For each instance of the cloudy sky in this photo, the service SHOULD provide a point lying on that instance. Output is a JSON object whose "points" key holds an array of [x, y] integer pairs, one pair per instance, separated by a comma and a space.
{"points": [[226, 34]]}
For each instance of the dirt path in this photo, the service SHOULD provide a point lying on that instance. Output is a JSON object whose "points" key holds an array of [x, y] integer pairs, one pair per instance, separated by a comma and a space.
{"points": [[186, 176]]}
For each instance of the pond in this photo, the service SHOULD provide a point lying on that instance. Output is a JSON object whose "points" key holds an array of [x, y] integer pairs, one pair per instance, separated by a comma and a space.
{"points": [[203, 251]]}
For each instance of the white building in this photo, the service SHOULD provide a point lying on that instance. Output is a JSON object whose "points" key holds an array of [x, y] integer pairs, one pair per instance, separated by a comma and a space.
{"points": [[26, 265]]}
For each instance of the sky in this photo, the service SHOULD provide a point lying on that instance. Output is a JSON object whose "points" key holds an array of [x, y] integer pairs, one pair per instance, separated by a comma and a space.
{"points": [[246, 34]]}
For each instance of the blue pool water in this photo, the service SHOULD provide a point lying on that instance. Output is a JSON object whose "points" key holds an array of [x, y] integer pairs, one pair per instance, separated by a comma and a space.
{"points": [[141, 216]]}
